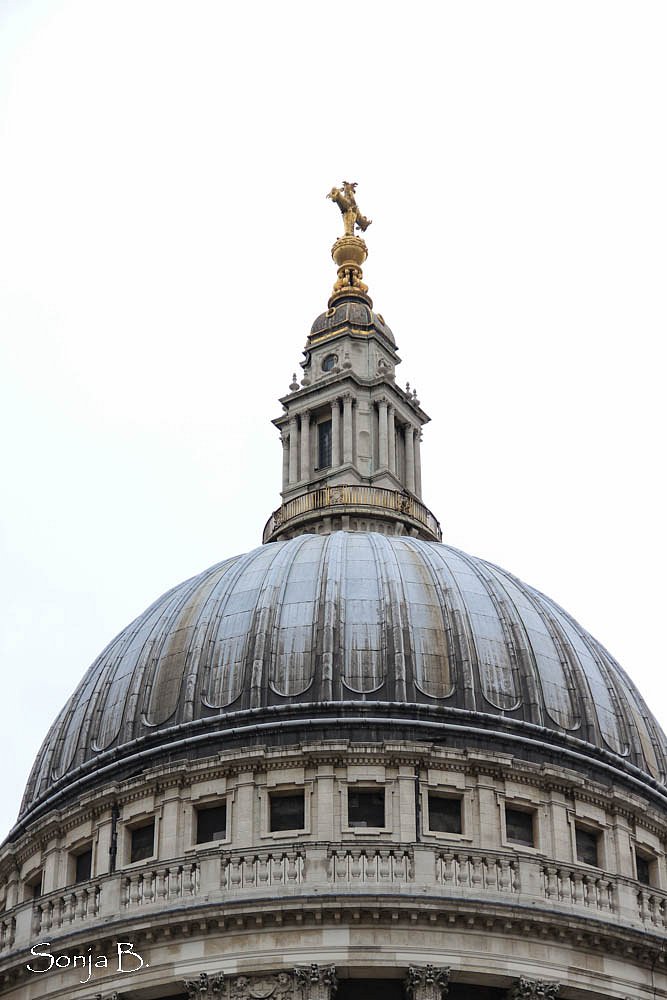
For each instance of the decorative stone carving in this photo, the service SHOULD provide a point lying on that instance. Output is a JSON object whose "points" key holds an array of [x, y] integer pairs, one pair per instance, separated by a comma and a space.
{"points": [[533, 989], [316, 982], [279, 986], [311, 983], [206, 987], [427, 982]]}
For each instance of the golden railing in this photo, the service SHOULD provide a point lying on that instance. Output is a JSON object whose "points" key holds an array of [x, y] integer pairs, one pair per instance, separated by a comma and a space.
{"points": [[375, 497]]}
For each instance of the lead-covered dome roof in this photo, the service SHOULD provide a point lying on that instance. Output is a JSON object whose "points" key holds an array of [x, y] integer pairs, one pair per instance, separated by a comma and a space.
{"points": [[350, 315], [356, 625]]}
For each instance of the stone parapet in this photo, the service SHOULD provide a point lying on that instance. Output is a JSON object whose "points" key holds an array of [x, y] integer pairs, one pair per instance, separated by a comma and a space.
{"points": [[310, 511]]}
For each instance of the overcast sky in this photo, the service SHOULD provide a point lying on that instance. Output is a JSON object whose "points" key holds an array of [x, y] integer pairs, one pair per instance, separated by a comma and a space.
{"points": [[165, 245]]}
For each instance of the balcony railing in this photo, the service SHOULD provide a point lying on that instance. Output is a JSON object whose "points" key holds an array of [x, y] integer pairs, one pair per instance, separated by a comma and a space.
{"points": [[375, 499], [382, 868]]}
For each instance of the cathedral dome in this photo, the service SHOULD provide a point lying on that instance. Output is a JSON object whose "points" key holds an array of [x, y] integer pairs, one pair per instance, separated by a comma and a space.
{"points": [[353, 752], [348, 630]]}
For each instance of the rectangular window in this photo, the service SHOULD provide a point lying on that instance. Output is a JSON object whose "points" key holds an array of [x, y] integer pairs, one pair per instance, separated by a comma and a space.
{"points": [[643, 868], [365, 808], [211, 823], [324, 445], [33, 888], [587, 846], [287, 811], [83, 864], [444, 814], [143, 842], [519, 826]]}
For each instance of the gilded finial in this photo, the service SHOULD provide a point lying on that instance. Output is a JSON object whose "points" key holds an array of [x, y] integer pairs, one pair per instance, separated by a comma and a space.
{"points": [[349, 251]]}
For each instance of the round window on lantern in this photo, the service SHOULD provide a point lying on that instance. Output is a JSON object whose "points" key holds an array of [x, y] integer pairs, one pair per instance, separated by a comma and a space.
{"points": [[329, 362]]}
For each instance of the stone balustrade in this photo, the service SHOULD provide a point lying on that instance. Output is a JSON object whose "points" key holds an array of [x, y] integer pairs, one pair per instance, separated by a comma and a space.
{"points": [[652, 907], [261, 869], [370, 865], [477, 870], [432, 872], [579, 887], [68, 906], [160, 883], [7, 933]]}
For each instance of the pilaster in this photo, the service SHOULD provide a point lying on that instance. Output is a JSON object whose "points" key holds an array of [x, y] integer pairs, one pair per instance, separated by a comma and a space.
{"points": [[293, 452], [410, 458], [305, 446], [335, 433], [391, 433], [347, 427], [383, 434]]}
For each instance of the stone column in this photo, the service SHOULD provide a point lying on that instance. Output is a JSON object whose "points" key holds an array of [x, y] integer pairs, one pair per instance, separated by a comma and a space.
{"points": [[206, 987], [347, 427], [392, 439], [305, 446], [533, 989], [284, 437], [335, 433], [316, 982], [293, 453], [418, 464], [426, 982], [384, 441], [410, 457]]}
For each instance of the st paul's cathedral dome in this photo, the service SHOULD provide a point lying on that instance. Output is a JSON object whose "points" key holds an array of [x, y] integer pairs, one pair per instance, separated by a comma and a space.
{"points": [[354, 761]]}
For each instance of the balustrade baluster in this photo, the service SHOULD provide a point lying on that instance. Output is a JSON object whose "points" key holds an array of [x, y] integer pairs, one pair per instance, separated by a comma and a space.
{"points": [[384, 866], [235, 873]]}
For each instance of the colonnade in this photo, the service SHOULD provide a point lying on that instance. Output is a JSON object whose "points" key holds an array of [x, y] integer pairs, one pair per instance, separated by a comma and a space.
{"points": [[320, 982], [398, 443]]}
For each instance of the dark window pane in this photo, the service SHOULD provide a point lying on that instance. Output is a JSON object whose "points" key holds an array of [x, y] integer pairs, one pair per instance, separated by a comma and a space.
{"points": [[587, 846], [34, 887], [519, 826], [287, 812], [444, 815], [211, 824], [365, 808], [643, 869], [143, 839], [329, 362], [324, 445], [84, 863]]}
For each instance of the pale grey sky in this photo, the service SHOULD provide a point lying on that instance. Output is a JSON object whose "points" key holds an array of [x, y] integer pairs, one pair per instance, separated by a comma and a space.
{"points": [[164, 248]]}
